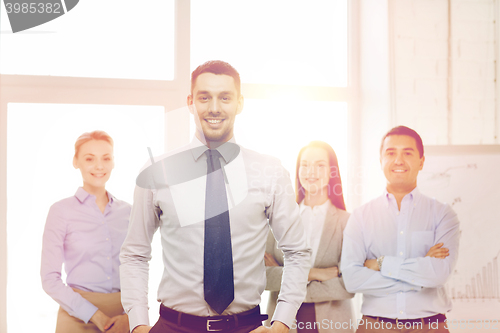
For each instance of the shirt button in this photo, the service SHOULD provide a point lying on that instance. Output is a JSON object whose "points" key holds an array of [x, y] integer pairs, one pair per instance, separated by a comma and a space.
{"points": [[107, 258], [389, 274], [412, 281], [107, 239], [401, 232], [109, 278], [397, 213], [400, 253], [401, 311], [401, 293], [411, 288]]}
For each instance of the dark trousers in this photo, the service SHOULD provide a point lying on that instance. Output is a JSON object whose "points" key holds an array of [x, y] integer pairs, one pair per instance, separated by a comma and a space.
{"points": [[165, 326]]}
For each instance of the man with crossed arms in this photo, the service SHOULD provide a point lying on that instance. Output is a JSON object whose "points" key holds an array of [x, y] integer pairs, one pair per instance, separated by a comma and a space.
{"points": [[400, 248], [213, 202]]}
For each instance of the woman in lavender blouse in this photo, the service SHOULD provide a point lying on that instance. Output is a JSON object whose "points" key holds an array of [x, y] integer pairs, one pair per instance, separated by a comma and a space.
{"points": [[85, 232]]}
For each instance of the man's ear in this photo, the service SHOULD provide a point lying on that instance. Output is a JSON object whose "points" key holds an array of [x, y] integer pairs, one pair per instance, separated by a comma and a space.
{"points": [[422, 160], [74, 162], [241, 103], [189, 102]]}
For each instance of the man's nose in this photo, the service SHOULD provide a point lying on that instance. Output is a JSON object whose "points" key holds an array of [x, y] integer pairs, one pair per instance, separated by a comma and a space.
{"points": [[399, 159], [214, 105]]}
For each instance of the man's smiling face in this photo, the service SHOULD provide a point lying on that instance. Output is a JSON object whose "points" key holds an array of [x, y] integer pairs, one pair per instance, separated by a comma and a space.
{"points": [[216, 102], [401, 162]]}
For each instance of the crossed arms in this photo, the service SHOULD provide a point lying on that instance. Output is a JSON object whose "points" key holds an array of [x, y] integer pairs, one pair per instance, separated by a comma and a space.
{"points": [[361, 273]]}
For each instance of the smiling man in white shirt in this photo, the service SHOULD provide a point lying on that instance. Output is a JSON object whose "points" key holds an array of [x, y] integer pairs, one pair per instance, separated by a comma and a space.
{"points": [[400, 248], [214, 202]]}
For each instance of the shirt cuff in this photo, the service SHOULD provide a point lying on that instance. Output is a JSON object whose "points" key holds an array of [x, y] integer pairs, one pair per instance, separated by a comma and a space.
{"points": [[391, 267], [285, 313], [86, 311], [138, 316]]}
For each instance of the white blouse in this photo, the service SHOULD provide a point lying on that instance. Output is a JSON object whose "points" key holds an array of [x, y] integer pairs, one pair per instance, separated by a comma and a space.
{"points": [[313, 220]]}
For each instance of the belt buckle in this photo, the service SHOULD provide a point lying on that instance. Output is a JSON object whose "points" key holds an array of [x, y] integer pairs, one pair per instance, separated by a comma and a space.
{"points": [[209, 322]]}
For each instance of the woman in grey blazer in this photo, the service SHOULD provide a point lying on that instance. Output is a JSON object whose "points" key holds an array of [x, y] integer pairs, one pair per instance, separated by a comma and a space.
{"points": [[327, 307]]}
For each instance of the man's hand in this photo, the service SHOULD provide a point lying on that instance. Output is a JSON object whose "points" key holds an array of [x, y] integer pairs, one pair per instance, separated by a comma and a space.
{"points": [[372, 264], [437, 251], [277, 327], [117, 324], [142, 329], [269, 260], [99, 319], [323, 274]]}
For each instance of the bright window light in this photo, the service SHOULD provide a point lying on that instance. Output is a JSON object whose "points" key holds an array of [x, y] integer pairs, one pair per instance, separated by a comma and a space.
{"points": [[281, 128], [100, 39], [40, 146], [274, 42]]}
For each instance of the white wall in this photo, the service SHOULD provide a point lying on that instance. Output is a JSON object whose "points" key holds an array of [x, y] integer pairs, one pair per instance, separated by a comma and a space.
{"points": [[428, 65], [444, 69], [374, 92]]}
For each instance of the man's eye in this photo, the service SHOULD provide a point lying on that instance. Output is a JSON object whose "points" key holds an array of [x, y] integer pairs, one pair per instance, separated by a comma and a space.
{"points": [[226, 98], [88, 159], [203, 98]]}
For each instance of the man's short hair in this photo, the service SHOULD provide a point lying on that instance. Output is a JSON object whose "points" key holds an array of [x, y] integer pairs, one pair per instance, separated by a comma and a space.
{"points": [[218, 67], [403, 130]]}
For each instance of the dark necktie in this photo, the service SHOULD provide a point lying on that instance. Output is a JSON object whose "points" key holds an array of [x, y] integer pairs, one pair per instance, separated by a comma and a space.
{"points": [[218, 258]]}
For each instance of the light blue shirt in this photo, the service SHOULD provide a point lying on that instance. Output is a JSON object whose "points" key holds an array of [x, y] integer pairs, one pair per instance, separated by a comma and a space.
{"points": [[410, 284], [88, 242]]}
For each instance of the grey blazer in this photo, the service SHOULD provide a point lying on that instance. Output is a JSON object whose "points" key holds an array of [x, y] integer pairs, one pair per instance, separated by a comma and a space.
{"points": [[332, 301]]}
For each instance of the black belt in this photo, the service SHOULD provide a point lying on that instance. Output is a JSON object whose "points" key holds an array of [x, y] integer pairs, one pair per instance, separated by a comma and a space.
{"points": [[437, 318], [213, 323]]}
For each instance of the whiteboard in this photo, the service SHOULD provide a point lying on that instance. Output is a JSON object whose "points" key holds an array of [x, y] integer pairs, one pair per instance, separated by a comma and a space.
{"points": [[468, 178]]}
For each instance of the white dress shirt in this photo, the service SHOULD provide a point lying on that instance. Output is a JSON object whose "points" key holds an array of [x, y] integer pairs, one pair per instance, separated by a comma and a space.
{"points": [[260, 195], [314, 220], [410, 284]]}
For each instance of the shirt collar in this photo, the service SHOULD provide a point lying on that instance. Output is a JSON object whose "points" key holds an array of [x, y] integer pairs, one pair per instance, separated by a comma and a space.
{"points": [[82, 195], [413, 195], [228, 150], [320, 208]]}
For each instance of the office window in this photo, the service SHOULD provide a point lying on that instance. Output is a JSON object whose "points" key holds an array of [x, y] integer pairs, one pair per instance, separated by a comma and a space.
{"points": [[281, 128], [99, 39], [274, 42]]}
